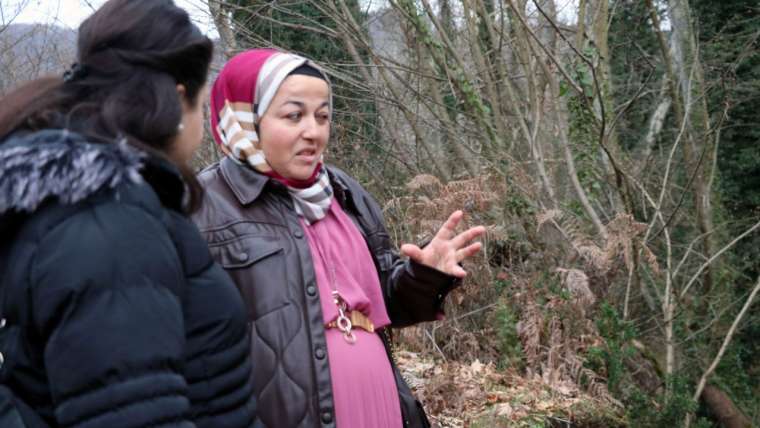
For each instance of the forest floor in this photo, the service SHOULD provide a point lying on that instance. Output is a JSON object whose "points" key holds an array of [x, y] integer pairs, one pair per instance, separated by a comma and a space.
{"points": [[477, 395]]}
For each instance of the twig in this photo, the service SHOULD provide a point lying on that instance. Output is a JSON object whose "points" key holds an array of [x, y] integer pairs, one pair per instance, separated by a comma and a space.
{"points": [[724, 346], [715, 256], [435, 345], [472, 312], [553, 59]]}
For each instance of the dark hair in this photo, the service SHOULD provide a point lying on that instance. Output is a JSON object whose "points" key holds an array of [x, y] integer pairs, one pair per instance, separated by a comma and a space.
{"points": [[308, 70], [131, 55]]}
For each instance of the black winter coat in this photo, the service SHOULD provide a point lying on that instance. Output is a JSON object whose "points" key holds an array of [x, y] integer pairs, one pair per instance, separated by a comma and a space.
{"points": [[113, 313], [254, 233]]}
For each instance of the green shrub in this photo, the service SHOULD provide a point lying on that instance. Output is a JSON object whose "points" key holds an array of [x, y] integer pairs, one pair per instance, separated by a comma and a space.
{"points": [[510, 346]]}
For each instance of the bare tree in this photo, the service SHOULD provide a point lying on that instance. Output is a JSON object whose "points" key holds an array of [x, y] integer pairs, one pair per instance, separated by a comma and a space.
{"points": [[503, 99]]}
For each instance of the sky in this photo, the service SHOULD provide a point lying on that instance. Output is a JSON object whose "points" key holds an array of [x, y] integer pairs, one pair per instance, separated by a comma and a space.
{"points": [[70, 13]]}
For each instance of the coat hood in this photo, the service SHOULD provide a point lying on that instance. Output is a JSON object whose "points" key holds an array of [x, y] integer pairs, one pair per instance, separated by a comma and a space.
{"points": [[61, 165]]}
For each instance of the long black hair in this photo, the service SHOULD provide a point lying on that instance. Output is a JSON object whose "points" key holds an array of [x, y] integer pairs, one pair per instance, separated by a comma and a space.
{"points": [[131, 55]]}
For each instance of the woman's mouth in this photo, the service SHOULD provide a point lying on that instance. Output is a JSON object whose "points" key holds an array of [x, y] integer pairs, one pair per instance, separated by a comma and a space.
{"points": [[307, 155]]}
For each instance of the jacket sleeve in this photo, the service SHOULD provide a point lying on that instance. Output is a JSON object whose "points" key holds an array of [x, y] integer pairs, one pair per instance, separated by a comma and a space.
{"points": [[413, 292], [105, 296]]}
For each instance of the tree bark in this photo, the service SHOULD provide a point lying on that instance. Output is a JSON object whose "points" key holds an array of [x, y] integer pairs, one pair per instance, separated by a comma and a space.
{"points": [[224, 27], [656, 122], [698, 147], [724, 408], [411, 119], [701, 386]]}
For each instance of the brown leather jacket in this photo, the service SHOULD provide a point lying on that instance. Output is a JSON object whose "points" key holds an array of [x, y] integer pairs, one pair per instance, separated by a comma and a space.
{"points": [[254, 233]]}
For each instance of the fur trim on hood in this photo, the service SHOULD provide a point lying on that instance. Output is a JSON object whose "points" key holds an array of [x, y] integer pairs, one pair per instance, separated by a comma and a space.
{"points": [[61, 165]]}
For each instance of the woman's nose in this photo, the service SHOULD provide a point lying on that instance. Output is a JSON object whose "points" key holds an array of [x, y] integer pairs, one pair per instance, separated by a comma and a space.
{"points": [[311, 127]]}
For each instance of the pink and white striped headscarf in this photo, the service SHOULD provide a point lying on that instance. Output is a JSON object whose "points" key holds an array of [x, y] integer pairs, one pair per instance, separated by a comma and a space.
{"points": [[240, 96]]}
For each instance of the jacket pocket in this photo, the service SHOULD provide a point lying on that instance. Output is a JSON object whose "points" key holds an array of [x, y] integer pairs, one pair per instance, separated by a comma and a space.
{"points": [[257, 266]]}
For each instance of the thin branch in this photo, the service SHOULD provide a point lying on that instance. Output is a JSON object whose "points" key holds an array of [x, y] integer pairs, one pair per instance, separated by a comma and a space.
{"points": [[715, 256], [576, 87], [724, 346]]}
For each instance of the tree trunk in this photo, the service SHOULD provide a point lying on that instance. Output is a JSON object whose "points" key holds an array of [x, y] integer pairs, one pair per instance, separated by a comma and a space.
{"points": [[724, 409], [698, 147], [597, 29], [224, 27]]}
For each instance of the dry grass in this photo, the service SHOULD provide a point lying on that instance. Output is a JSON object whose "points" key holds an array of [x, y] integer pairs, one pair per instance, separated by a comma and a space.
{"points": [[551, 272], [474, 394]]}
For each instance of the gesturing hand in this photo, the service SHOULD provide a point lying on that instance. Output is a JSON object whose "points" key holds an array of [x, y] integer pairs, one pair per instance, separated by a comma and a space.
{"points": [[447, 249]]}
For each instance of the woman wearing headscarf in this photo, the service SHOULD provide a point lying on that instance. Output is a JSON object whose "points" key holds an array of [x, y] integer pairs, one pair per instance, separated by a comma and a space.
{"points": [[112, 311], [306, 245]]}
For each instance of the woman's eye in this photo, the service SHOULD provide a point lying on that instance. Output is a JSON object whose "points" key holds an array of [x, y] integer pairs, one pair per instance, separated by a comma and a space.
{"points": [[294, 116]]}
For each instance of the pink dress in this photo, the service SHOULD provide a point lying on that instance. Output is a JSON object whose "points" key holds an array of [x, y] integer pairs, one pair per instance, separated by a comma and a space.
{"points": [[364, 388]]}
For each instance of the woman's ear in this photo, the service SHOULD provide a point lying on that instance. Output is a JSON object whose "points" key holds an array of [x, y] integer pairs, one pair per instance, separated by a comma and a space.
{"points": [[182, 92]]}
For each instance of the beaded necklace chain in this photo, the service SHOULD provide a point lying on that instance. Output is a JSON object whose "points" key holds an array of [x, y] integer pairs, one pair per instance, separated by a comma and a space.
{"points": [[342, 322]]}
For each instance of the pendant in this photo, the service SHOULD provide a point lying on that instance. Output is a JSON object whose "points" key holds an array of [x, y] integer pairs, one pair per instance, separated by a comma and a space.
{"points": [[343, 322]]}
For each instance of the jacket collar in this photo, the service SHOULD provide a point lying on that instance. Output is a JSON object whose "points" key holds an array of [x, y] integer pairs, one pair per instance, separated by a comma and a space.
{"points": [[61, 165], [166, 180], [341, 191], [247, 185]]}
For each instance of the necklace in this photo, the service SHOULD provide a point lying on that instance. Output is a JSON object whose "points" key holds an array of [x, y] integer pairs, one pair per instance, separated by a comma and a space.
{"points": [[342, 322]]}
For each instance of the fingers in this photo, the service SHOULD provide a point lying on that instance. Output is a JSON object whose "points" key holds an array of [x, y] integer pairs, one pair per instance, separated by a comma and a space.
{"points": [[468, 251], [461, 255], [447, 231], [447, 249], [412, 251], [463, 238], [458, 272]]}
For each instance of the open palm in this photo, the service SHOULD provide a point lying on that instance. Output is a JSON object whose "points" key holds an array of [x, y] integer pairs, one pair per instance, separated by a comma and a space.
{"points": [[447, 249]]}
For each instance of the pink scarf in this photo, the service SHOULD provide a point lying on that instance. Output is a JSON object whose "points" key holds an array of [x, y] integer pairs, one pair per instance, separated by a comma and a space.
{"points": [[240, 96]]}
